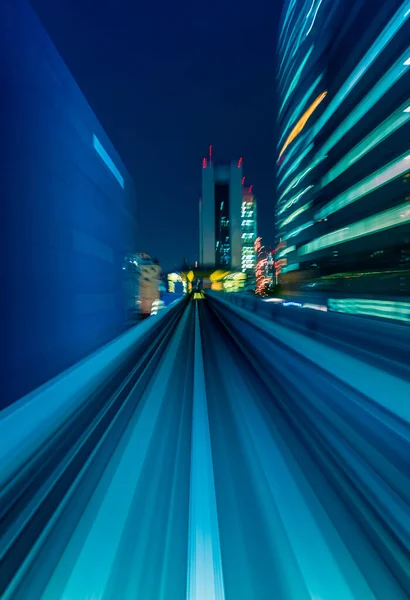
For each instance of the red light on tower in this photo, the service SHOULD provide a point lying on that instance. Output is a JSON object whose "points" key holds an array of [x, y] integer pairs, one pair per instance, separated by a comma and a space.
{"points": [[204, 163], [243, 180], [210, 155], [240, 163]]}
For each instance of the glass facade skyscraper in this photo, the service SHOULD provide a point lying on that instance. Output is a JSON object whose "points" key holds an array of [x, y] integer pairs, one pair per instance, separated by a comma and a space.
{"points": [[249, 231], [343, 169]]}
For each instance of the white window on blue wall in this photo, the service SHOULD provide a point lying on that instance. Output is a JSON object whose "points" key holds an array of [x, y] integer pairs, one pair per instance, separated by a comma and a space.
{"points": [[107, 160]]}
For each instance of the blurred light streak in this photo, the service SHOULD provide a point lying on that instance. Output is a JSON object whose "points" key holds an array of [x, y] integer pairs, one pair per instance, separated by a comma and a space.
{"points": [[90, 573], [300, 177], [107, 160], [399, 311], [295, 214], [286, 251], [320, 307], [295, 79], [296, 163], [299, 109], [302, 121], [394, 217], [376, 137], [314, 17], [294, 199], [382, 177], [364, 106], [298, 230], [388, 33]]}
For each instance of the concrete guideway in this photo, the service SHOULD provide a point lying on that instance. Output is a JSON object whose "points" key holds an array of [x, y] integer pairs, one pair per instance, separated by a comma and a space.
{"points": [[209, 454]]}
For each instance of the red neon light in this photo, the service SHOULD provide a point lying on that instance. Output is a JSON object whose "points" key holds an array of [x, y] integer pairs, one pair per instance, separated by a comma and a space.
{"points": [[243, 180], [204, 163], [240, 162]]}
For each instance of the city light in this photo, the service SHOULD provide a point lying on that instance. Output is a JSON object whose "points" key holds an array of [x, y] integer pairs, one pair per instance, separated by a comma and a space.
{"points": [[293, 117], [393, 217], [382, 177], [376, 137], [298, 230], [294, 200], [386, 309], [296, 78], [394, 25], [295, 214], [383, 85], [302, 121]]}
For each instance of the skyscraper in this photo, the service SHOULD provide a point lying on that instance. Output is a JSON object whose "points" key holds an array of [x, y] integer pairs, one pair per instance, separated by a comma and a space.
{"points": [[344, 123], [220, 215], [249, 231], [68, 222]]}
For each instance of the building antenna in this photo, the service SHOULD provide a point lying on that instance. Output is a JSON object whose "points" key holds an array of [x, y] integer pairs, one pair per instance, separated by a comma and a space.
{"points": [[210, 155]]}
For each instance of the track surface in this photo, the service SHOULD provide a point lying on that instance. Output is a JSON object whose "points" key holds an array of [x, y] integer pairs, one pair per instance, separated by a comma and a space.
{"points": [[218, 464]]}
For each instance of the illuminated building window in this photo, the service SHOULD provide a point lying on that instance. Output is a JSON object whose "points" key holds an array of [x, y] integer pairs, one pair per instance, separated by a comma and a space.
{"points": [[102, 153]]}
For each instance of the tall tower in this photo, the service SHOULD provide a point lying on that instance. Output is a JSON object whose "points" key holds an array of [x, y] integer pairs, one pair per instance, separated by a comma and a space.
{"points": [[220, 214], [249, 231]]}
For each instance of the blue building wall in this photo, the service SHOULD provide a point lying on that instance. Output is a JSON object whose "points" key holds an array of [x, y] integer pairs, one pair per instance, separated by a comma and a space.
{"points": [[66, 221]]}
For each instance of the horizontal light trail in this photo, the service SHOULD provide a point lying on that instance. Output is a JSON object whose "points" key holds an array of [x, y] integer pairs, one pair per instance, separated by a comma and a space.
{"points": [[394, 217], [400, 117], [383, 176]]}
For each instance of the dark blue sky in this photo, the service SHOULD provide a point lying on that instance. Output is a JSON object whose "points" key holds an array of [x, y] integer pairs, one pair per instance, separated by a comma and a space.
{"points": [[166, 80]]}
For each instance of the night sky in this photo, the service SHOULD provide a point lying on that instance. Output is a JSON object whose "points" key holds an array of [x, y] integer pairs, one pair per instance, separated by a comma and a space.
{"points": [[166, 80]]}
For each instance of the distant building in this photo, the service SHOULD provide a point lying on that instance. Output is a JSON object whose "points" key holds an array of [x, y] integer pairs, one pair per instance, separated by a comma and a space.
{"points": [[248, 231], [220, 215], [149, 282]]}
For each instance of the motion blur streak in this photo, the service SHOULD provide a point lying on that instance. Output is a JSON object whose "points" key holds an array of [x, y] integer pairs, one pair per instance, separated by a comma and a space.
{"points": [[215, 454]]}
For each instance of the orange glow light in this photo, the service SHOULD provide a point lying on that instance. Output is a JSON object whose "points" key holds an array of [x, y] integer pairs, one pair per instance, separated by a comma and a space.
{"points": [[302, 121]]}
